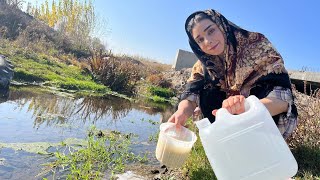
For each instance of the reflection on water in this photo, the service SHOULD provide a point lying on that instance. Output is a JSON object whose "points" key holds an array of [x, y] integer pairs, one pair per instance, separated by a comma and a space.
{"points": [[50, 109], [98, 107], [30, 115]]}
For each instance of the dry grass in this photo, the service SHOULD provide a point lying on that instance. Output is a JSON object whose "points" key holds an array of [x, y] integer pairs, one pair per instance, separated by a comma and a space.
{"points": [[305, 141], [121, 74], [308, 130], [153, 65], [158, 80]]}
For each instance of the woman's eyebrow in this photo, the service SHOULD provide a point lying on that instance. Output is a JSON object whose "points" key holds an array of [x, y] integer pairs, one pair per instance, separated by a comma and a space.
{"points": [[204, 30], [207, 28]]}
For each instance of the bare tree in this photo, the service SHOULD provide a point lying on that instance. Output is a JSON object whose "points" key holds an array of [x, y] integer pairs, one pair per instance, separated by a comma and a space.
{"points": [[15, 3]]}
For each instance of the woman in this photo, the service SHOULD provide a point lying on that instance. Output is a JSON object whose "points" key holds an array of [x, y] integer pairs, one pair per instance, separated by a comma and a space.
{"points": [[233, 64]]}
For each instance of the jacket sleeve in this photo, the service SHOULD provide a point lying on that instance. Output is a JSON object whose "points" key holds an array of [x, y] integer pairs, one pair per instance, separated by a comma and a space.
{"points": [[287, 121]]}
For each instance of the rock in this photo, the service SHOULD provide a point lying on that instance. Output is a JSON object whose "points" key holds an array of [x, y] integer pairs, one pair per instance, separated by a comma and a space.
{"points": [[155, 171], [6, 75], [164, 171], [2, 161], [157, 177], [129, 175]]}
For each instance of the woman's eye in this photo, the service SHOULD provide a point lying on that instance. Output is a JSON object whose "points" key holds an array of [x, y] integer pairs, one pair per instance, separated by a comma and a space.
{"points": [[200, 40], [211, 31]]}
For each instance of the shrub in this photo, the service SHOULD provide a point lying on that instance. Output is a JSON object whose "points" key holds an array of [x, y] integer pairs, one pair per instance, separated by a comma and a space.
{"points": [[162, 92], [118, 73], [158, 80], [308, 130]]}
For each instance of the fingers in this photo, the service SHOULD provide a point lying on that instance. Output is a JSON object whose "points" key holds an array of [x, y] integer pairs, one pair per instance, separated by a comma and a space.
{"points": [[172, 119], [237, 105], [175, 120], [178, 118], [241, 109], [214, 112], [225, 104], [234, 104]]}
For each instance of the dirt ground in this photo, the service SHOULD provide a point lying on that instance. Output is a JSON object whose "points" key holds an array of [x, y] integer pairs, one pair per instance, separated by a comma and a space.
{"points": [[151, 172]]}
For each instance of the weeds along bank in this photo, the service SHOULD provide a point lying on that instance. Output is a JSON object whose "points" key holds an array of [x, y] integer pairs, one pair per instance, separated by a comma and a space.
{"points": [[96, 74]]}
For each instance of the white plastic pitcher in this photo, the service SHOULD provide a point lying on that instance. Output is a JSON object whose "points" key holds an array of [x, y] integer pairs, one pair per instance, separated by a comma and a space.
{"points": [[174, 145], [247, 146]]}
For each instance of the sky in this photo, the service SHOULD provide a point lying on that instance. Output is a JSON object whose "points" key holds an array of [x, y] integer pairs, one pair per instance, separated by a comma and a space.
{"points": [[155, 29]]}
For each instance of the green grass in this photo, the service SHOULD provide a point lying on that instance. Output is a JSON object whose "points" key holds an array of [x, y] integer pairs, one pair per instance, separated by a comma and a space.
{"points": [[157, 94], [49, 69], [161, 92], [105, 152], [197, 166], [308, 159], [53, 73], [158, 99]]}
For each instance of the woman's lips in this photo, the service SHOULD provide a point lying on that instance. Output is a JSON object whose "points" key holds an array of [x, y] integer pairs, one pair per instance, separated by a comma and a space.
{"points": [[214, 47]]}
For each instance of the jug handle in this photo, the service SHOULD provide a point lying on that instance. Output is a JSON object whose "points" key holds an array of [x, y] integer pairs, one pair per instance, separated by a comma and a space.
{"points": [[251, 103]]}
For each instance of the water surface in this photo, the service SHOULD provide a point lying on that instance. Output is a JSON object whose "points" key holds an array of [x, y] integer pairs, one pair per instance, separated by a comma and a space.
{"points": [[29, 116]]}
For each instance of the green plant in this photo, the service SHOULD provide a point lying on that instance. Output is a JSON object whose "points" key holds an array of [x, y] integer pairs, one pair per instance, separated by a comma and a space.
{"points": [[158, 99], [305, 141], [308, 159], [161, 92], [197, 165], [118, 73], [105, 151]]}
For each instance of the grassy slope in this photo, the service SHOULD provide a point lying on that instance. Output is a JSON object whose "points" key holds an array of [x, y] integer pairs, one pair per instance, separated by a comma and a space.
{"points": [[42, 68]]}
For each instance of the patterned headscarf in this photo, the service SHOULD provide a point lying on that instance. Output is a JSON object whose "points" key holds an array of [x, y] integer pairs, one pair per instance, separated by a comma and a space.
{"points": [[247, 57]]}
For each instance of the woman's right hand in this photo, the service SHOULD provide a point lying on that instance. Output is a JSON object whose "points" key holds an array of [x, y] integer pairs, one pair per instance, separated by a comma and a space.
{"points": [[185, 110], [234, 104], [179, 118]]}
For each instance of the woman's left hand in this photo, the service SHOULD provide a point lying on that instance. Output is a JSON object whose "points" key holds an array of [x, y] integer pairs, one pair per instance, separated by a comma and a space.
{"points": [[234, 104]]}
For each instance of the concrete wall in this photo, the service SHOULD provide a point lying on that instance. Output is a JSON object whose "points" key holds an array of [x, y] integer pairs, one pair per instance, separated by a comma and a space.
{"points": [[304, 81], [184, 59], [305, 76]]}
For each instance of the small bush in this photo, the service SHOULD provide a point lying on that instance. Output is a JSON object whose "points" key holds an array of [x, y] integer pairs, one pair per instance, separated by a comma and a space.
{"points": [[162, 92], [158, 99], [158, 80], [118, 73], [308, 129]]}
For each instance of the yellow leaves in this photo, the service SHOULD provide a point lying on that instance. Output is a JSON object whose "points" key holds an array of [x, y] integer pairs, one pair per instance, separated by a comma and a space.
{"points": [[77, 15]]}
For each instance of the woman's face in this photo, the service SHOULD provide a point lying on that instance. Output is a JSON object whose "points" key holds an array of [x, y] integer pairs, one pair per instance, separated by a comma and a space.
{"points": [[209, 37]]}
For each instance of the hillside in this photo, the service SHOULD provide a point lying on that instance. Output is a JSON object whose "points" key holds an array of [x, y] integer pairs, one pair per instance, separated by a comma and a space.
{"points": [[43, 56]]}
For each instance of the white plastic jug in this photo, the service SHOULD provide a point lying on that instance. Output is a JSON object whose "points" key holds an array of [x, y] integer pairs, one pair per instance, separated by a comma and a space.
{"points": [[247, 146], [174, 145]]}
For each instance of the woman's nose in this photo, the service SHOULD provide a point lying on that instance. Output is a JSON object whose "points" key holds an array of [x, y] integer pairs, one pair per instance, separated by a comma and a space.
{"points": [[207, 41]]}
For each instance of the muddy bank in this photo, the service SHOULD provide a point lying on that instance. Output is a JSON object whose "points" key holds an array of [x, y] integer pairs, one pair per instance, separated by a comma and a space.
{"points": [[147, 172]]}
